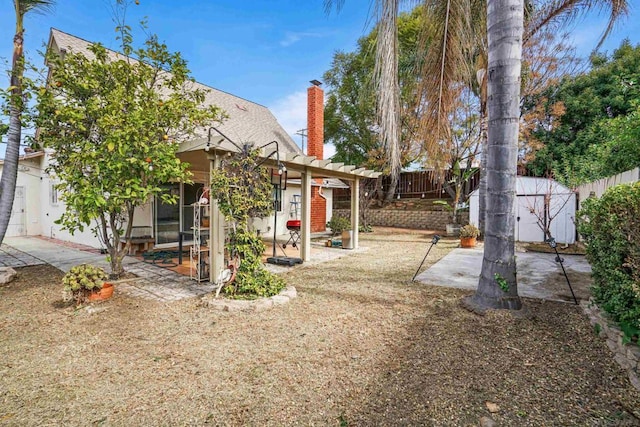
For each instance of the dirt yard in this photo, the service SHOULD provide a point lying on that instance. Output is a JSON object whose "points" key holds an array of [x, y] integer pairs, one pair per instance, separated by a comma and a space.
{"points": [[359, 346]]}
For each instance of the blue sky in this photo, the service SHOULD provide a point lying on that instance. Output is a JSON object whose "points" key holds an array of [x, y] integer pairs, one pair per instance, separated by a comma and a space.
{"points": [[264, 51]]}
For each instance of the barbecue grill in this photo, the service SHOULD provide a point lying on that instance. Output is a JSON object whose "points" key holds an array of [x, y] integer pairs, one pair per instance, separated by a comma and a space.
{"points": [[293, 225]]}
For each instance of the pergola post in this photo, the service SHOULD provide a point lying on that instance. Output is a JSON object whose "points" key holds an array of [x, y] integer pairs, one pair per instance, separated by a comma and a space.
{"points": [[355, 211], [305, 220], [216, 228]]}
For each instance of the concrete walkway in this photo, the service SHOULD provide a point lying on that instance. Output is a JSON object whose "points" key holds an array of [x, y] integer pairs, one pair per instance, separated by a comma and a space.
{"points": [[155, 283], [539, 276]]}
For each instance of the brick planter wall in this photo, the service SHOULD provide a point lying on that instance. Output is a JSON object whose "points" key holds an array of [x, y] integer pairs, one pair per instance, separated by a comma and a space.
{"points": [[626, 355], [420, 219]]}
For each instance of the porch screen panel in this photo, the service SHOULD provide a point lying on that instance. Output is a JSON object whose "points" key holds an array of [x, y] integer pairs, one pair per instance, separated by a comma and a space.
{"points": [[168, 217], [190, 193]]}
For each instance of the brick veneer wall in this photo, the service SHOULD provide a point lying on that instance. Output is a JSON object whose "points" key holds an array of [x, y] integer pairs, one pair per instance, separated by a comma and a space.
{"points": [[318, 211], [421, 219]]}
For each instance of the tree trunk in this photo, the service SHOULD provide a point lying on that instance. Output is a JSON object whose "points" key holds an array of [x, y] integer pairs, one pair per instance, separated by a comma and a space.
{"points": [[482, 189], [498, 287], [10, 169], [390, 191]]}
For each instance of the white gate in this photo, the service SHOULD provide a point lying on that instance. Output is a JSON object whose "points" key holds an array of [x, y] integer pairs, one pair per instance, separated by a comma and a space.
{"points": [[17, 223], [527, 229]]}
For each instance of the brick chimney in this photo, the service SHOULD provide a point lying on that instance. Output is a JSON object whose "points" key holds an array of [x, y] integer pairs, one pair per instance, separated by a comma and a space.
{"points": [[315, 120], [315, 147]]}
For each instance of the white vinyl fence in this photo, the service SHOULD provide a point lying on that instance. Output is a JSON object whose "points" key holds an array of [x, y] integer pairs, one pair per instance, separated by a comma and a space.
{"points": [[600, 186]]}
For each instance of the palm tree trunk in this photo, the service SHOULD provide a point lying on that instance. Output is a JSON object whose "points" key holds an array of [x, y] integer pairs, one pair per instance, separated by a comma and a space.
{"points": [[498, 287], [482, 188], [10, 169]]}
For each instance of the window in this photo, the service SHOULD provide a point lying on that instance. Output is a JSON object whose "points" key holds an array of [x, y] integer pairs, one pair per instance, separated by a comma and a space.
{"points": [[53, 194]]}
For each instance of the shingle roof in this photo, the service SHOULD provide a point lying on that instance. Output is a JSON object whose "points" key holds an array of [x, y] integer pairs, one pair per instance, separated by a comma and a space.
{"points": [[247, 122]]}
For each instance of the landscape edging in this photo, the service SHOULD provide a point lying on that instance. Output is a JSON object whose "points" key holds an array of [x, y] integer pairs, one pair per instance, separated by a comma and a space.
{"points": [[256, 305], [627, 355]]}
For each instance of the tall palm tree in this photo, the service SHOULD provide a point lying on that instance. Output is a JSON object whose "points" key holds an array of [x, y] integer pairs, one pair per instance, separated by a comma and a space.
{"points": [[497, 287], [459, 50], [10, 170]]}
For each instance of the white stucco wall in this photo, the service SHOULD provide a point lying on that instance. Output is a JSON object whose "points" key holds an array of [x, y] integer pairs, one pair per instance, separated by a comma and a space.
{"points": [[265, 225], [50, 212], [29, 172]]}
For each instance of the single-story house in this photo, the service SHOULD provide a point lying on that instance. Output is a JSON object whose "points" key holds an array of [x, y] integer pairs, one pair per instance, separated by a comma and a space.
{"points": [[538, 201], [308, 193]]}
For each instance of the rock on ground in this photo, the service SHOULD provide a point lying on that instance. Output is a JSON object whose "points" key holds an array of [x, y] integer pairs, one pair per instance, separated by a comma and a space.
{"points": [[7, 274]]}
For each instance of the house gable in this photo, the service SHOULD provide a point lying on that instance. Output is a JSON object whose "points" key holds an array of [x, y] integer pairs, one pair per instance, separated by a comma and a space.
{"points": [[246, 121]]}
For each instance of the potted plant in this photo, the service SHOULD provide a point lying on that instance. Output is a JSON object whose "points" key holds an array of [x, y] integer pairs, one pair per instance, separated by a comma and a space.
{"points": [[339, 225], [87, 282], [468, 235]]}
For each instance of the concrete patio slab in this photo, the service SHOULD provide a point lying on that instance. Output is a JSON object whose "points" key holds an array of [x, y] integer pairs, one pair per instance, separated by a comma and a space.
{"points": [[154, 283], [539, 275]]}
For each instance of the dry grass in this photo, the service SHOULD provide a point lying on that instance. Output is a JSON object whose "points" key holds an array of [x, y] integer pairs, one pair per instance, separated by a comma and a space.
{"points": [[359, 346]]}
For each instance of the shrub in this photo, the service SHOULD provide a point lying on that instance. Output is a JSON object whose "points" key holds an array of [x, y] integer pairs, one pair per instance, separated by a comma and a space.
{"points": [[252, 279], [338, 225], [611, 229], [365, 228]]}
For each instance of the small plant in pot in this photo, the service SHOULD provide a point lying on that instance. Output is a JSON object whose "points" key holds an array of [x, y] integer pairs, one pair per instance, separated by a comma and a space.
{"points": [[468, 235], [338, 225], [86, 282]]}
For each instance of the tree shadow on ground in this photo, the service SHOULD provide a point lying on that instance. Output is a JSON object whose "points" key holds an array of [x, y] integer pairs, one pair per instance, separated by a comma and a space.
{"points": [[548, 369]]}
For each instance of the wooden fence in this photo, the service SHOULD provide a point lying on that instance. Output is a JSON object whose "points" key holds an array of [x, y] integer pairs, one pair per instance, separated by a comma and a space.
{"points": [[412, 185]]}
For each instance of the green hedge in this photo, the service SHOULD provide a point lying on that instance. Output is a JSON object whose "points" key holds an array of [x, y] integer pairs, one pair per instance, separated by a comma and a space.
{"points": [[611, 228]]}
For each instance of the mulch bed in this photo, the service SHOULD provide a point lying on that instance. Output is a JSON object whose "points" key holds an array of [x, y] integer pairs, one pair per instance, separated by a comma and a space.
{"points": [[359, 346], [577, 248]]}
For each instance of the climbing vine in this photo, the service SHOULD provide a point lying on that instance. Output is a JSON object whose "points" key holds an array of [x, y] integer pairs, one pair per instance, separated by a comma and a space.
{"points": [[502, 282], [244, 191]]}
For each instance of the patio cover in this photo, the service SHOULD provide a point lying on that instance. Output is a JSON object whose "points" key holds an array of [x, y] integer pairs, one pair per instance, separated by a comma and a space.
{"points": [[206, 154]]}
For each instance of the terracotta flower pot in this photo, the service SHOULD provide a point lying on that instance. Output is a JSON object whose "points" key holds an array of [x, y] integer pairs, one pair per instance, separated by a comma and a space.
{"points": [[100, 295], [468, 242]]}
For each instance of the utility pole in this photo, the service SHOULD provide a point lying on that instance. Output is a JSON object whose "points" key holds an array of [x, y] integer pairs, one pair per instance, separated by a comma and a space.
{"points": [[303, 135]]}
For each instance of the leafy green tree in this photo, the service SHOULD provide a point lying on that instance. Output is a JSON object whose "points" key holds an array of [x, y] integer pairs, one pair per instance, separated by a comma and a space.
{"points": [[16, 107], [618, 150], [114, 124], [587, 141]]}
